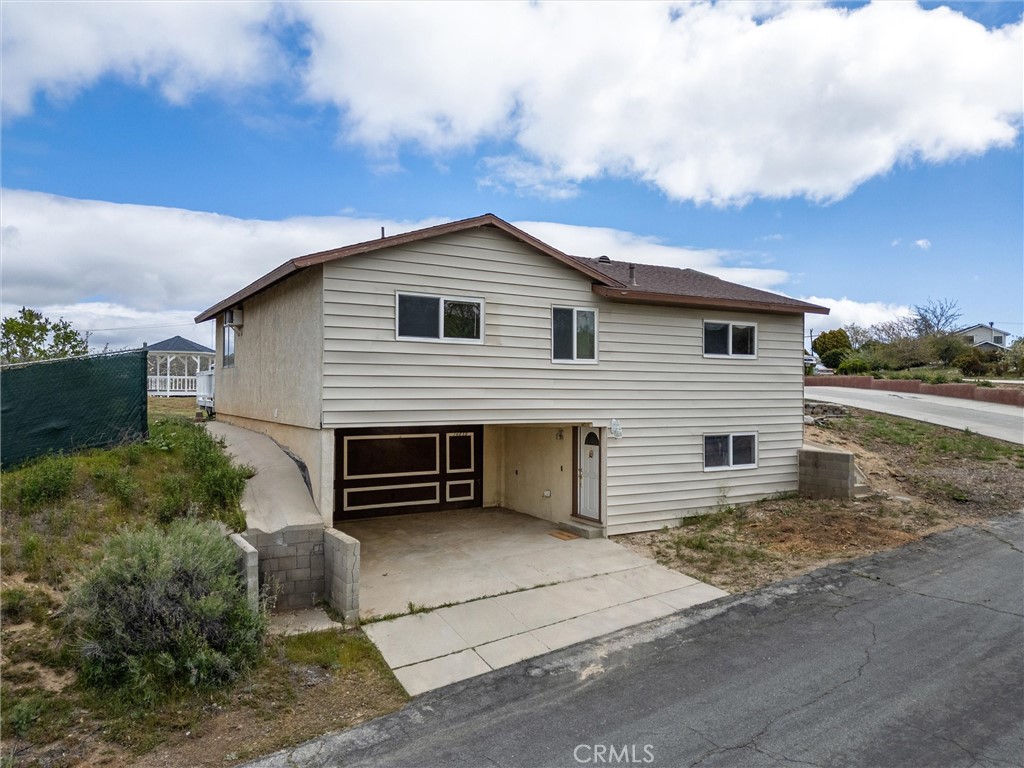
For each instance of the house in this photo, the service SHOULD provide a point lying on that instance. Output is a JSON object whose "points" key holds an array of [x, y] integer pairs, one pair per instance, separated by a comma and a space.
{"points": [[986, 338], [172, 366], [471, 365]]}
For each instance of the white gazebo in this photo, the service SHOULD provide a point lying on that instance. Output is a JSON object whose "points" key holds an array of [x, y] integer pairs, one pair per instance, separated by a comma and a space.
{"points": [[173, 365]]}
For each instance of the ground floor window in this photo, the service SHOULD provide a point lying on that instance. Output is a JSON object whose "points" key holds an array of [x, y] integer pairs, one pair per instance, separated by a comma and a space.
{"points": [[730, 450]]}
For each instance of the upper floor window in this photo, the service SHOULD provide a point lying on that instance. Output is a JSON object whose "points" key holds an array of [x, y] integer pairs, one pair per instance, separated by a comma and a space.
{"points": [[573, 334], [441, 318], [729, 451], [998, 340], [228, 348], [730, 339]]}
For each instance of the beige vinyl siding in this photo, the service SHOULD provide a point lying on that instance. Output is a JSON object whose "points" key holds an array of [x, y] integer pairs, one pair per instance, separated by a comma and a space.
{"points": [[651, 374]]}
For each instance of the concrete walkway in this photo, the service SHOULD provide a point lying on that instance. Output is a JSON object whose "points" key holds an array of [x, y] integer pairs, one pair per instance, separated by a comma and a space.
{"points": [[559, 591], [1003, 422], [276, 496]]}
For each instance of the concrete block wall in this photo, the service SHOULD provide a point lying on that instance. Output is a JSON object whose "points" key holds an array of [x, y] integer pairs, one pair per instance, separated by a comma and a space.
{"points": [[826, 474], [248, 565], [293, 558], [341, 564]]}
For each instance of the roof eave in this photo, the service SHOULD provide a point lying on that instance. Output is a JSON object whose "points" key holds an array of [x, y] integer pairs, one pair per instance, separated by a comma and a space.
{"points": [[253, 288], [630, 296], [322, 257]]}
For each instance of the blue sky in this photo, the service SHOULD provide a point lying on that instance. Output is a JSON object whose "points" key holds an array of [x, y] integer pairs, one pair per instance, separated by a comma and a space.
{"points": [[156, 157]]}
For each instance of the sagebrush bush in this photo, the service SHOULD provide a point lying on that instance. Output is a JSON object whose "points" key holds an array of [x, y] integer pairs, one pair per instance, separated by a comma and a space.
{"points": [[46, 481], [164, 611]]}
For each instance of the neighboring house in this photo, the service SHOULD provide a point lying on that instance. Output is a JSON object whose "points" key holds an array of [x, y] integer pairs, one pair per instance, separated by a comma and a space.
{"points": [[172, 365], [471, 365], [986, 338]]}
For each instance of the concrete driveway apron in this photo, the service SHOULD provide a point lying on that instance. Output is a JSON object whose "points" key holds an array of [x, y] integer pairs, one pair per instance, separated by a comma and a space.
{"points": [[510, 587]]}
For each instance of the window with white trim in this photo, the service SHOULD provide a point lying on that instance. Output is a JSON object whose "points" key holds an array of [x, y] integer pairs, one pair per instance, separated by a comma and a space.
{"points": [[724, 339], [439, 318], [228, 348], [573, 335], [730, 451]]}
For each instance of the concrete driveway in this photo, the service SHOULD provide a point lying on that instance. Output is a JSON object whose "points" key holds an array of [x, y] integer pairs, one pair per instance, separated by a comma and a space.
{"points": [[1003, 422], [506, 587]]}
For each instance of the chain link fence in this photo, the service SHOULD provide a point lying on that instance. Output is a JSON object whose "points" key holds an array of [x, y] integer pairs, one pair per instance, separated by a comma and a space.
{"points": [[66, 405]]}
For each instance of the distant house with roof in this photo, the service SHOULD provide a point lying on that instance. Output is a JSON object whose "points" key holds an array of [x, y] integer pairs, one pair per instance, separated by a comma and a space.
{"points": [[986, 338], [172, 366], [471, 365]]}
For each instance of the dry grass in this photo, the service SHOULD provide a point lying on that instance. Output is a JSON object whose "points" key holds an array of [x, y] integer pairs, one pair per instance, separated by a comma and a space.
{"points": [[172, 406]]}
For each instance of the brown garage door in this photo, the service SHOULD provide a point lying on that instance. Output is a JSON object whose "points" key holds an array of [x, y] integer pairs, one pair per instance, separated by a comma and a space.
{"points": [[411, 469]]}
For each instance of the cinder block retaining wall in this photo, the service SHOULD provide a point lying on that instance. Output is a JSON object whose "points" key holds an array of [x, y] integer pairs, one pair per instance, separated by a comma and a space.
{"points": [[826, 474], [294, 558], [307, 563], [248, 565], [966, 391], [341, 571]]}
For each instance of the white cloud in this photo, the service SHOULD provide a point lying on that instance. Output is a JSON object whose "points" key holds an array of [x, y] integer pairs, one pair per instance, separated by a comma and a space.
{"points": [[707, 102], [60, 48], [845, 311], [924, 244], [896, 242], [105, 264]]}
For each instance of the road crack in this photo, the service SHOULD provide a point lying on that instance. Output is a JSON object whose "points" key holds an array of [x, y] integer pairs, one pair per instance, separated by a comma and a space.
{"points": [[752, 744]]}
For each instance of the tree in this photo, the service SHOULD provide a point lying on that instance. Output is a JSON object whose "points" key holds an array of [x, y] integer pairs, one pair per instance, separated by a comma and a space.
{"points": [[30, 336], [936, 316], [858, 335]]}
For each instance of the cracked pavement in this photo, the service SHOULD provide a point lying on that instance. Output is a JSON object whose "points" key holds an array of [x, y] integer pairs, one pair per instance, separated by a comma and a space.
{"points": [[910, 657]]}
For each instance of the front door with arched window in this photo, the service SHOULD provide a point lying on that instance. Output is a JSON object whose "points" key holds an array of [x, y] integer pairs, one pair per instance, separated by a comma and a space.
{"points": [[588, 474]]}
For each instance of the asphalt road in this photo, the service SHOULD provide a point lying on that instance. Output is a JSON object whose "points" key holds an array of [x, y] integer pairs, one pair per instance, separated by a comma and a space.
{"points": [[1004, 422], [912, 657]]}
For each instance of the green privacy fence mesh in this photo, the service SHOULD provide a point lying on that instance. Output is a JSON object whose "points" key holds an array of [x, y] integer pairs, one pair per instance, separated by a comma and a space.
{"points": [[67, 405]]}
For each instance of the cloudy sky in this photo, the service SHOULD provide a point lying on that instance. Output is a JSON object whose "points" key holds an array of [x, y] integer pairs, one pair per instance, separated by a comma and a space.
{"points": [[159, 156]]}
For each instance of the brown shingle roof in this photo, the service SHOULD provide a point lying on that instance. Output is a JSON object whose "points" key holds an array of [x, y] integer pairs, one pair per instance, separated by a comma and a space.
{"points": [[654, 285], [651, 284]]}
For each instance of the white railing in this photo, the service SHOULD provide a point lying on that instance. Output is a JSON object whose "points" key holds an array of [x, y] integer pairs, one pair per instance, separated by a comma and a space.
{"points": [[171, 386], [204, 390]]}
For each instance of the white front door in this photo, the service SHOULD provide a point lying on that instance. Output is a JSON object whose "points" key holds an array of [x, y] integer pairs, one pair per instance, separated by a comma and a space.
{"points": [[589, 474]]}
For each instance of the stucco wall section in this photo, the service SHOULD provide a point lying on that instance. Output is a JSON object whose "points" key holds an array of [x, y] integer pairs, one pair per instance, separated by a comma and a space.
{"points": [[537, 461], [276, 376]]}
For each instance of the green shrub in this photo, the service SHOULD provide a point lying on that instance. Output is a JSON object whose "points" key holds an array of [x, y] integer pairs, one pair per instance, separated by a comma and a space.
{"points": [[164, 611], [853, 365], [833, 358], [45, 481], [970, 363]]}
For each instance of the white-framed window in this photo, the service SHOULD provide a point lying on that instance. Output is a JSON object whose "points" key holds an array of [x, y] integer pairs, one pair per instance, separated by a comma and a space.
{"points": [[727, 339], [998, 340], [439, 318], [730, 451], [228, 348], [573, 335]]}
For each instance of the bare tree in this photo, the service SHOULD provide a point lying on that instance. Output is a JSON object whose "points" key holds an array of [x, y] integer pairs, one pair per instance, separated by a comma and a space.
{"points": [[858, 334], [936, 316]]}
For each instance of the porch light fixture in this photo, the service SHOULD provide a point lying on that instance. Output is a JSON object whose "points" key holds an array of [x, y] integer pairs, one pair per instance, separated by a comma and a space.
{"points": [[615, 428]]}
